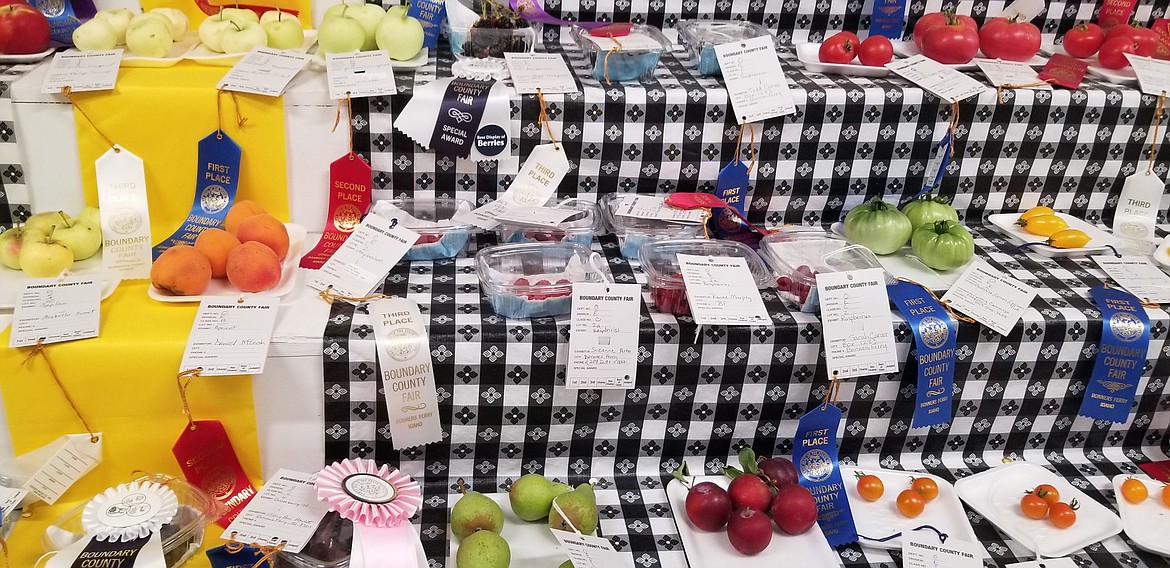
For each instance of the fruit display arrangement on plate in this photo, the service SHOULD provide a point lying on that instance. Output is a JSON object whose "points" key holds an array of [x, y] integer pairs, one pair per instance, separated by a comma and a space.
{"points": [[24, 30], [843, 47], [955, 39], [353, 26], [1107, 48], [49, 243], [240, 30], [920, 506], [929, 224], [152, 34], [1144, 504]]}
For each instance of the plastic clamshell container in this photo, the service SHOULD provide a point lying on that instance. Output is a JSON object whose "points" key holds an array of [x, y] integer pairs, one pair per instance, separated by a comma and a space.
{"points": [[701, 37], [473, 42], [181, 538], [630, 57], [578, 229], [447, 239], [633, 232], [668, 290], [509, 276], [798, 254], [329, 547]]}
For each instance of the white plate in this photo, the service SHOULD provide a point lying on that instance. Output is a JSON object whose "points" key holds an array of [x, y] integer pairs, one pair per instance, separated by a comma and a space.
{"points": [[713, 550], [908, 49], [1098, 239], [172, 58], [1145, 522], [809, 55], [424, 56], [29, 58], [10, 279], [996, 494], [903, 264], [531, 543], [202, 55], [1123, 76], [219, 287], [1161, 256], [879, 519]]}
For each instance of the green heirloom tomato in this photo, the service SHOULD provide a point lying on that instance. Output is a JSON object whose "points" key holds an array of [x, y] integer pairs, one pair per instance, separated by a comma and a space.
{"points": [[878, 226], [927, 209], [943, 245]]}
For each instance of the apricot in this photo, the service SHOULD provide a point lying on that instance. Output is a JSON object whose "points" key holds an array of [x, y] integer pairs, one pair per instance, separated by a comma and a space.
{"points": [[181, 271], [241, 210], [267, 230], [253, 267], [215, 244]]}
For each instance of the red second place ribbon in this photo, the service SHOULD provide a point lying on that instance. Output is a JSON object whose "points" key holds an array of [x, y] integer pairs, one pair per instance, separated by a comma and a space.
{"points": [[350, 178], [380, 501]]}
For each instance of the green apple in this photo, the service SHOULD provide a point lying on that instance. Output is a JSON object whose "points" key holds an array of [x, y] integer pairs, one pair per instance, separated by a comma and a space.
{"points": [[340, 34], [179, 22], [150, 37], [119, 18], [240, 15], [44, 222], [11, 242], [142, 18], [209, 31], [369, 16], [43, 256], [400, 36], [95, 35], [242, 37], [82, 237], [91, 215], [284, 32], [397, 10], [341, 8]]}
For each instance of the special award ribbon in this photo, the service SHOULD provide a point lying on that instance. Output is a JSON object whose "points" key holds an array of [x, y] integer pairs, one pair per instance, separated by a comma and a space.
{"points": [[934, 338], [815, 455], [380, 501], [459, 116], [1125, 339], [888, 18], [215, 189]]}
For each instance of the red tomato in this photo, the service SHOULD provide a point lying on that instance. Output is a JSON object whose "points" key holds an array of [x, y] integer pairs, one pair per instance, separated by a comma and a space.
{"points": [[841, 48], [23, 30], [876, 51], [953, 42], [1145, 38], [1084, 40], [1111, 55], [1009, 40], [1063, 515], [924, 24], [1033, 507]]}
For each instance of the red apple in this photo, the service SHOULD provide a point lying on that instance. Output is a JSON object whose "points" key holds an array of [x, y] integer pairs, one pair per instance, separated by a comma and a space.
{"points": [[749, 491], [708, 506], [749, 531], [23, 30], [794, 509]]}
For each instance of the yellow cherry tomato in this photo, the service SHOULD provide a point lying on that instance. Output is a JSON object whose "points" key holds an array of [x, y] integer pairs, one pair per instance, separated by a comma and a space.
{"points": [[1043, 225], [1036, 212], [1068, 238]]}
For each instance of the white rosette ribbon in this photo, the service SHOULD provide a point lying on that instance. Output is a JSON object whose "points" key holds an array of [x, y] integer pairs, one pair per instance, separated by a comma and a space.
{"points": [[129, 511], [380, 500]]}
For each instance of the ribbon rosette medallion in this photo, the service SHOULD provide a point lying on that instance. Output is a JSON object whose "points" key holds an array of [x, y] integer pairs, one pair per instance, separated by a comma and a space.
{"points": [[380, 500]]}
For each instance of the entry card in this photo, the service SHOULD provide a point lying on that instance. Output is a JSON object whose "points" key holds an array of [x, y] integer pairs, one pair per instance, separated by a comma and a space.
{"points": [[543, 216], [264, 71], [1138, 276], [546, 72], [651, 207], [60, 464], [944, 82], [360, 74], [1153, 74], [756, 83], [230, 336], [722, 291], [10, 499], [855, 317], [978, 283], [365, 258], [954, 554], [55, 310], [1011, 74], [588, 551], [285, 510], [603, 338], [83, 71]]}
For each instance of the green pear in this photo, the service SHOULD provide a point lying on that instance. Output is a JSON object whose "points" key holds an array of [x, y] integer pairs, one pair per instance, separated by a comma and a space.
{"points": [[532, 495], [566, 564], [575, 509], [483, 549], [475, 512]]}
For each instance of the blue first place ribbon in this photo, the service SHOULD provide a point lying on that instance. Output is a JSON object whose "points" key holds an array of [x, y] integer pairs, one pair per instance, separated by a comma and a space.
{"points": [[815, 456], [62, 18], [1121, 359], [222, 557], [934, 338], [888, 18], [431, 14], [215, 189]]}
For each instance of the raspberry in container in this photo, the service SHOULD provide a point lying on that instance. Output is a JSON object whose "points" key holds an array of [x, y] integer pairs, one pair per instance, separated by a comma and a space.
{"points": [[798, 254], [701, 37], [528, 280], [440, 236], [491, 31], [621, 51], [578, 229], [668, 290], [634, 232]]}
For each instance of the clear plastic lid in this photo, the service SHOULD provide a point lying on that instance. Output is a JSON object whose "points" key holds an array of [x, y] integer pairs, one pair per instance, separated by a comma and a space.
{"points": [[802, 252], [536, 269], [425, 216], [660, 259], [709, 33], [589, 218], [624, 226], [641, 39], [329, 547]]}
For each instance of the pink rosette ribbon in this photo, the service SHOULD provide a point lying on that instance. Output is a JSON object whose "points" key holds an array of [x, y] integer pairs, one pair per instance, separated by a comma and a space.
{"points": [[380, 501]]}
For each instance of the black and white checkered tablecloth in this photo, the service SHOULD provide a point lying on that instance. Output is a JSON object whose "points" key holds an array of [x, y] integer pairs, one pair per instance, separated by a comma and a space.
{"points": [[14, 198], [702, 394]]}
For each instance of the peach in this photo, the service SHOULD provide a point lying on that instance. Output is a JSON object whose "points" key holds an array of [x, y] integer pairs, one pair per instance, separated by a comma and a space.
{"points": [[267, 230], [253, 267], [181, 271], [215, 244], [242, 209]]}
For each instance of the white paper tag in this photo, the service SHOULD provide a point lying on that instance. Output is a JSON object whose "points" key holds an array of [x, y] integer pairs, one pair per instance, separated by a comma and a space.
{"points": [[537, 216], [404, 357], [603, 336], [82, 71], [954, 554], [653, 207], [364, 259], [855, 320], [230, 336], [1024, 10], [10, 500], [535, 184], [1153, 74], [1063, 562], [1011, 73], [285, 510], [55, 310], [1138, 275], [62, 463], [978, 283], [264, 71], [1137, 212], [588, 551], [756, 83], [360, 74], [545, 72], [121, 186], [722, 291], [946, 83]]}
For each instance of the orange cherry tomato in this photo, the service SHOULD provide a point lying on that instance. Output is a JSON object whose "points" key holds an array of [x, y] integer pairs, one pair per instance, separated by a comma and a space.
{"points": [[870, 487], [1043, 225], [1166, 495], [1036, 212], [910, 503], [926, 487], [1063, 515], [1033, 506], [1068, 238], [1048, 493], [1134, 491]]}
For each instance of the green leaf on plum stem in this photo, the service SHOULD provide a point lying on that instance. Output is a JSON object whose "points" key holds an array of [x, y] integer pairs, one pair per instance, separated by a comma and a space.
{"points": [[732, 472], [681, 474], [747, 459]]}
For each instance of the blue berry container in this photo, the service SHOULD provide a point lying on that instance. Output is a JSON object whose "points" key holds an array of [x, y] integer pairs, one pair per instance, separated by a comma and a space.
{"points": [[701, 37], [633, 232], [578, 229], [529, 280], [623, 58], [798, 254], [440, 236]]}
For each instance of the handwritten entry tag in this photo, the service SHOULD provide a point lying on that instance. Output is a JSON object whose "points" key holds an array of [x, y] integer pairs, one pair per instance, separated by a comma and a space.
{"points": [[360, 74], [588, 551], [722, 291], [1011, 74], [364, 259], [55, 310], [858, 330], [979, 282], [285, 510], [230, 336], [944, 82], [1138, 275], [264, 71], [756, 83], [546, 72], [603, 339], [82, 71], [954, 554]]}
